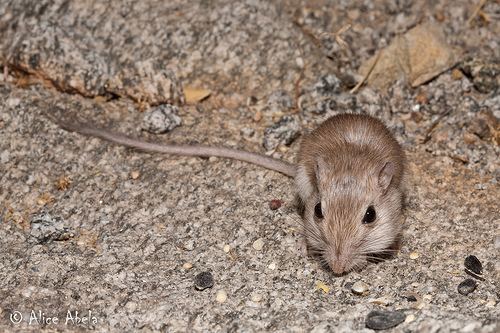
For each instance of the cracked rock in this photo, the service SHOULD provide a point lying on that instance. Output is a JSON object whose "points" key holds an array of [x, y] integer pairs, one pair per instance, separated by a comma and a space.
{"points": [[46, 228], [285, 131]]}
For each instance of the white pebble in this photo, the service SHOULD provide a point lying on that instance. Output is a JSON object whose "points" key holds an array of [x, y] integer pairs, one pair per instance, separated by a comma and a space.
{"points": [[189, 246], [414, 255], [300, 62], [410, 318], [5, 157], [360, 288], [258, 244], [221, 296], [272, 266], [187, 265], [12, 102], [226, 248], [491, 303], [256, 297]]}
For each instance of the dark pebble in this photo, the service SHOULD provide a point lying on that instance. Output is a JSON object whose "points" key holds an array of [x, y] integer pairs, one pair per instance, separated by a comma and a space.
{"points": [[467, 286], [275, 204], [382, 320], [411, 298], [348, 285], [203, 281], [473, 264]]}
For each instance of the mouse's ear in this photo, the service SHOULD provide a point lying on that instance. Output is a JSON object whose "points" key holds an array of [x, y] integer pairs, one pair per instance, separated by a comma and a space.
{"points": [[321, 168], [385, 175]]}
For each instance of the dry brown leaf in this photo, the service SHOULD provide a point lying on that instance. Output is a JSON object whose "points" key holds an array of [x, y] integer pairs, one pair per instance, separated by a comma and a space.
{"points": [[45, 199], [195, 95], [419, 55], [63, 183]]}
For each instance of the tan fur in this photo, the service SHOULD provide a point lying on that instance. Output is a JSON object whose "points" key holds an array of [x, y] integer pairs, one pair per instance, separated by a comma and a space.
{"points": [[349, 163]]}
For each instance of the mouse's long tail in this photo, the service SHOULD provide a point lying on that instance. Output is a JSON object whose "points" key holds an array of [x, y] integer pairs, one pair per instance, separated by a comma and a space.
{"points": [[185, 150]]}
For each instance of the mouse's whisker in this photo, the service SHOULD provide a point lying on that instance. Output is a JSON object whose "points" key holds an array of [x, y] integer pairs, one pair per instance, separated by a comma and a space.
{"points": [[386, 251], [375, 258]]}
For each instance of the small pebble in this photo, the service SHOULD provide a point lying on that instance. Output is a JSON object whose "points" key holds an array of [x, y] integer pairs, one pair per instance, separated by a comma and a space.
{"points": [[203, 281], [161, 119], [411, 298], [360, 288], [410, 318], [258, 245], [348, 285], [187, 265], [473, 264], [275, 204], [456, 74], [491, 303], [420, 305], [382, 320], [134, 174], [272, 266], [226, 248], [221, 296], [13, 102], [467, 286], [189, 245], [256, 297], [414, 255], [4, 157], [258, 116]]}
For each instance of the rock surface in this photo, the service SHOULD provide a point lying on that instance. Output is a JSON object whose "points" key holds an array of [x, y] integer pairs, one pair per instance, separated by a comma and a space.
{"points": [[78, 233]]}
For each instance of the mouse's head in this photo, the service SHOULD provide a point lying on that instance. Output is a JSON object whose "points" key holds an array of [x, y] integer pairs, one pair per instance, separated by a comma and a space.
{"points": [[354, 212]]}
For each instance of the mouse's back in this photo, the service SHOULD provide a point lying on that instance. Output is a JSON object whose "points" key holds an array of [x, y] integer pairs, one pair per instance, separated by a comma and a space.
{"points": [[347, 143]]}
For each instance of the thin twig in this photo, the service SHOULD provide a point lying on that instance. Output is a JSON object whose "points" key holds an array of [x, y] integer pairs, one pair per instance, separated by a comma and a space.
{"points": [[434, 125], [337, 36], [360, 83], [476, 11]]}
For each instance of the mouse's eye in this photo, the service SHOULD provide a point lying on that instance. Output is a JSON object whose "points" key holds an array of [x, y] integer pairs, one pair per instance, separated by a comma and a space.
{"points": [[370, 215], [317, 211]]}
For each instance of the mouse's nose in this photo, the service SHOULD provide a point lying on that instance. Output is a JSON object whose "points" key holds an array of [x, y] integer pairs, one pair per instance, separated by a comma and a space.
{"points": [[339, 261], [338, 266]]}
